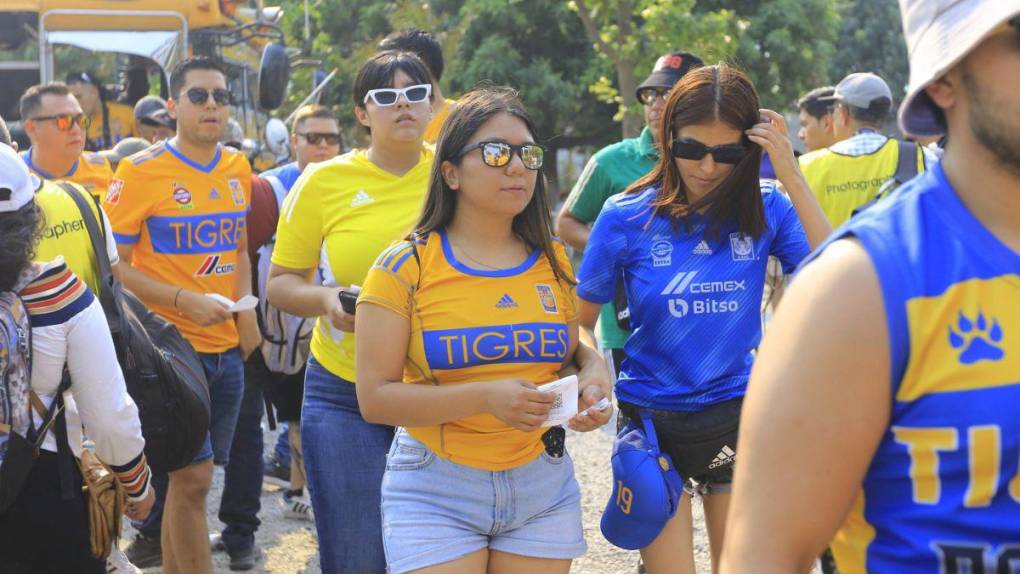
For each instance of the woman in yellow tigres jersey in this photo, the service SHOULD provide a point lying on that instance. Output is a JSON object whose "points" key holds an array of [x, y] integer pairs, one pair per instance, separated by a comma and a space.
{"points": [[475, 311]]}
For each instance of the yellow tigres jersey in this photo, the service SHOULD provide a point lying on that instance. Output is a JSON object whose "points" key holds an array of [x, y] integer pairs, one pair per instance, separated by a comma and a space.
{"points": [[186, 221], [91, 171], [470, 325], [942, 493], [436, 123], [122, 125], [344, 212]]}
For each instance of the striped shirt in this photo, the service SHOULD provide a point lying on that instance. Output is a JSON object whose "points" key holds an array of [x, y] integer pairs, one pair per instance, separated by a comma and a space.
{"points": [[69, 328]]}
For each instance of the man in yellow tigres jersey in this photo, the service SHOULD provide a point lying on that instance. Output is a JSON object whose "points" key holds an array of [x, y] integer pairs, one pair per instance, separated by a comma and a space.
{"points": [[887, 423], [56, 127], [424, 45], [178, 211], [849, 173]]}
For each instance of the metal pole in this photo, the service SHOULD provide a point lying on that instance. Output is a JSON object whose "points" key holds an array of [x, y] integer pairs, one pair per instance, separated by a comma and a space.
{"points": [[312, 95]]}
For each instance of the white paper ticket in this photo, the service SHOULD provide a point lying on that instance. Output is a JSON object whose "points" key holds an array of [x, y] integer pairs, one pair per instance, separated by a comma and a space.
{"points": [[245, 303], [565, 405]]}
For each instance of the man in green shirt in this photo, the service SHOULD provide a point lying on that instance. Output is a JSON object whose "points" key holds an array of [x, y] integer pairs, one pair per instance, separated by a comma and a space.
{"points": [[610, 171]]}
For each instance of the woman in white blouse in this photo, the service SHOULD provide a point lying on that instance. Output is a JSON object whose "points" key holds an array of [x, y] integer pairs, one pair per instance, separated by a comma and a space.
{"points": [[46, 529]]}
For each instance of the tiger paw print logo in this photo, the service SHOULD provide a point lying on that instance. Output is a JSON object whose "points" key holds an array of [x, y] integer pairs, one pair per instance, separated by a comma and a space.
{"points": [[977, 339]]}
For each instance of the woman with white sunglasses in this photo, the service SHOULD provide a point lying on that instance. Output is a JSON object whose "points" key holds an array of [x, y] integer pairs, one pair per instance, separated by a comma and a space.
{"points": [[349, 209]]}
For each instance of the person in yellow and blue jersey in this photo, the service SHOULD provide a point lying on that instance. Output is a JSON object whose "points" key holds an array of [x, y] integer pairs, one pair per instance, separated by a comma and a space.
{"points": [[56, 127], [344, 212], [457, 326], [178, 211], [888, 423]]}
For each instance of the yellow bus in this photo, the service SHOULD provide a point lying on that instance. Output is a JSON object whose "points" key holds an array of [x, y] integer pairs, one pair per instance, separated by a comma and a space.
{"points": [[146, 38]]}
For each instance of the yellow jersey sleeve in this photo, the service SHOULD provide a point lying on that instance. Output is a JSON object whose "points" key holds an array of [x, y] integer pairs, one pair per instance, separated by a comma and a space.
{"points": [[128, 203], [392, 279], [299, 233]]}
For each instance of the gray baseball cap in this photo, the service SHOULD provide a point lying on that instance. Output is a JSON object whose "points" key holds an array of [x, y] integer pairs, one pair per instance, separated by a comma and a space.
{"points": [[939, 34], [152, 109], [859, 90]]}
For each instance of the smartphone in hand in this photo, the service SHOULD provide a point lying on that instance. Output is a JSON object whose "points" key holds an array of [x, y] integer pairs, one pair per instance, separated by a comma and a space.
{"points": [[348, 301]]}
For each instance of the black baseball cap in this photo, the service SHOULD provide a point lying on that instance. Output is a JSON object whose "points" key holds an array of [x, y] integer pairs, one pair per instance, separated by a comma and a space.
{"points": [[668, 70], [152, 110], [81, 78]]}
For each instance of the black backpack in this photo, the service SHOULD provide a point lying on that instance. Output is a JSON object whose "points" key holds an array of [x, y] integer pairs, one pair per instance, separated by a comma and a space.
{"points": [[163, 373]]}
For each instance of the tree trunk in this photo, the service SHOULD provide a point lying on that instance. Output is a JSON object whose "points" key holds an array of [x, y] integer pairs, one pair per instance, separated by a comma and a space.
{"points": [[632, 121]]}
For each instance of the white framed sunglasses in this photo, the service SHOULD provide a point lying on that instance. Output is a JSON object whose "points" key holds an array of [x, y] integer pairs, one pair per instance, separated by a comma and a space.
{"points": [[388, 96]]}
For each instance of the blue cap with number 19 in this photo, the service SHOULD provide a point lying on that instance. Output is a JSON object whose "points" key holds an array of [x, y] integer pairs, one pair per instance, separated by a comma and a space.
{"points": [[646, 488]]}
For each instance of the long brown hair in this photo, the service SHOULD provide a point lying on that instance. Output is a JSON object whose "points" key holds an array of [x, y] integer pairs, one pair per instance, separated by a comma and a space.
{"points": [[703, 95], [472, 110]]}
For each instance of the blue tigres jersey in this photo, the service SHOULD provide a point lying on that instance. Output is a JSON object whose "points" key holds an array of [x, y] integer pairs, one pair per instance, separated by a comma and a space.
{"points": [[942, 493], [695, 302]]}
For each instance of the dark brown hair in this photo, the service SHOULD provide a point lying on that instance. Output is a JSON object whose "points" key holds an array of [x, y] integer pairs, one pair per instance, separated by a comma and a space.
{"points": [[704, 95], [472, 111], [32, 98]]}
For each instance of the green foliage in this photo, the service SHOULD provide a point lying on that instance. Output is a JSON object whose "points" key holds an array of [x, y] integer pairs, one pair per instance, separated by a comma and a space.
{"points": [[784, 45], [871, 40]]}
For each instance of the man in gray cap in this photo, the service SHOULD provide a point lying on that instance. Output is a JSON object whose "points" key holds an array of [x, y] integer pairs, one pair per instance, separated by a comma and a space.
{"points": [[850, 173], [884, 398], [152, 121]]}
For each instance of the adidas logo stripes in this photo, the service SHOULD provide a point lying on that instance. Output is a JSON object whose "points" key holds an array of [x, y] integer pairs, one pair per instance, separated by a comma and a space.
{"points": [[725, 456], [505, 302], [702, 249], [361, 199]]}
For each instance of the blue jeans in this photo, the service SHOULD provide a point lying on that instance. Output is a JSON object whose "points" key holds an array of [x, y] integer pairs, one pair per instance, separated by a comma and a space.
{"points": [[345, 458], [242, 484], [225, 374]]}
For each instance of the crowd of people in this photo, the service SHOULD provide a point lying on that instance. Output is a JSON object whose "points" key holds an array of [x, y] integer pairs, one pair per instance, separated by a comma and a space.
{"points": [[414, 296]]}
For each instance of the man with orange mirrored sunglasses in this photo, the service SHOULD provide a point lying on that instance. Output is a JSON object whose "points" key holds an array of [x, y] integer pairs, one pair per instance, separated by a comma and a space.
{"points": [[56, 126]]}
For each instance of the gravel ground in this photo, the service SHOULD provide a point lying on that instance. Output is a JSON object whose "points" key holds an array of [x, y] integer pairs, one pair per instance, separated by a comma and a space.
{"points": [[290, 547]]}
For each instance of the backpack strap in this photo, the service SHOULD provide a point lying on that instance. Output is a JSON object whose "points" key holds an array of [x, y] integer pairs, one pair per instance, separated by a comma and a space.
{"points": [[906, 162], [98, 239]]}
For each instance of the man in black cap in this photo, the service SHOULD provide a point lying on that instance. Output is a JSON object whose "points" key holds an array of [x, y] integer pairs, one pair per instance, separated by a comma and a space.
{"points": [[152, 121], [610, 171]]}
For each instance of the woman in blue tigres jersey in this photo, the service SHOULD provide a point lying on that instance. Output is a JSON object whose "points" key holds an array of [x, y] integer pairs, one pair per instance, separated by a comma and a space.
{"points": [[691, 241]]}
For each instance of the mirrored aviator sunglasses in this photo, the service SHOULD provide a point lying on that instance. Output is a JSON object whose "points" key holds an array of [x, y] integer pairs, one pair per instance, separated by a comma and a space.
{"points": [[692, 149], [499, 154], [389, 96]]}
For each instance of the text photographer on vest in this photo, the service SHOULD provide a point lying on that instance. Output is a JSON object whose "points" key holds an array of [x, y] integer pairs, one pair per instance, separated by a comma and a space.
{"points": [[850, 173]]}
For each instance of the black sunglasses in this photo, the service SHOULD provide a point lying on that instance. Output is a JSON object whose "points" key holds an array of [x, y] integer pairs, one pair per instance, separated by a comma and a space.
{"points": [[498, 154], [648, 96], [687, 148], [315, 137], [199, 96]]}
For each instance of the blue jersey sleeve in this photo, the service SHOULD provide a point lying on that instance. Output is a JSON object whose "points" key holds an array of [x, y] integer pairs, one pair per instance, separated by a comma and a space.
{"points": [[603, 256], [790, 244]]}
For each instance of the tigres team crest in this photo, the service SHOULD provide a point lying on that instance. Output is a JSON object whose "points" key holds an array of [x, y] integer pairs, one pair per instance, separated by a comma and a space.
{"points": [[546, 298]]}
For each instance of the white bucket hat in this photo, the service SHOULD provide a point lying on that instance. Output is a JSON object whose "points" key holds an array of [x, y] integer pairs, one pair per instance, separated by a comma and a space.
{"points": [[939, 34]]}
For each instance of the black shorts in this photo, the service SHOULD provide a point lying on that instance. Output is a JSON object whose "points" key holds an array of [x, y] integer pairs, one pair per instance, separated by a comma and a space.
{"points": [[285, 392], [702, 444]]}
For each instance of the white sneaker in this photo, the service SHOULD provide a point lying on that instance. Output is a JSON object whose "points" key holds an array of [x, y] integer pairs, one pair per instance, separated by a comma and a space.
{"points": [[118, 563], [298, 507]]}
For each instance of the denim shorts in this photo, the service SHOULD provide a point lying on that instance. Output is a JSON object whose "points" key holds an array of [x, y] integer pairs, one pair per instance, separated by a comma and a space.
{"points": [[437, 511]]}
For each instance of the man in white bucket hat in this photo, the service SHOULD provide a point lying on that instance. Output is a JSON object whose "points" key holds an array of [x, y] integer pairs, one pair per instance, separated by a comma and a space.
{"points": [[888, 424]]}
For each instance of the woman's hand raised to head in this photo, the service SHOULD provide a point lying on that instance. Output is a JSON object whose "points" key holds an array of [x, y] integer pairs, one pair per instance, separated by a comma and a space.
{"points": [[771, 134]]}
